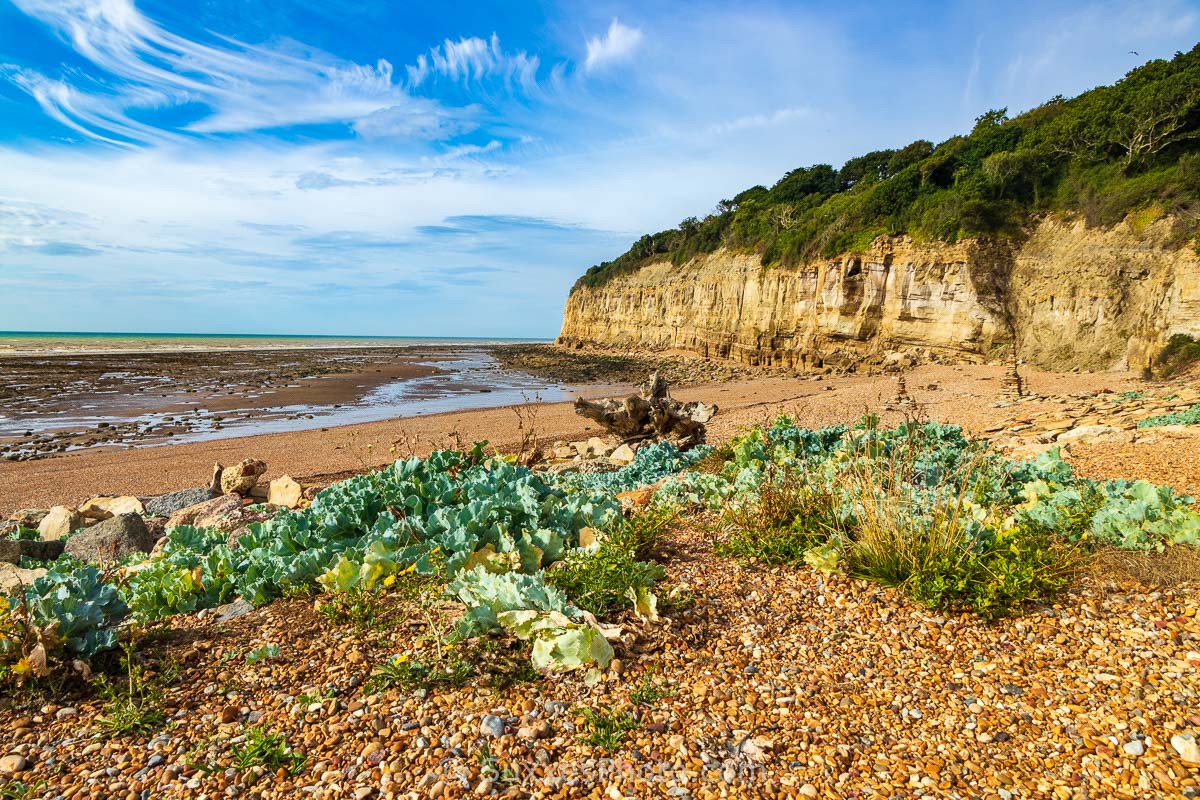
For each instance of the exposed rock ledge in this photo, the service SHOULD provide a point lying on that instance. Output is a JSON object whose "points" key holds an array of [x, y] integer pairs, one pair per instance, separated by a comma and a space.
{"points": [[1076, 297]]}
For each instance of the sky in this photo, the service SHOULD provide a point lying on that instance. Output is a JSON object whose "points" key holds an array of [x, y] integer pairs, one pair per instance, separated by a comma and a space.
{"points": [[377, 167]]}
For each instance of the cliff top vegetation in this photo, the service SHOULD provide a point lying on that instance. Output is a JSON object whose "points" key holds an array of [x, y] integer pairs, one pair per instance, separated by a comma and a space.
{"points": [[1133, 147]]}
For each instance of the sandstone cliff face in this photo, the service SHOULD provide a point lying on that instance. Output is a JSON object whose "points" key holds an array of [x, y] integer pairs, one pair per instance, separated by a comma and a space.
{"points": [[1075, 297]]}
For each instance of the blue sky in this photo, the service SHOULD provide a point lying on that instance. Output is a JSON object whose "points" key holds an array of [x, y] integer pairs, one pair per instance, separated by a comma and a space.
{"points": [[379, 167]]}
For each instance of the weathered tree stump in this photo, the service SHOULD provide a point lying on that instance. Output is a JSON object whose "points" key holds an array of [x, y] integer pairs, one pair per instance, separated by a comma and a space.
{"points": [[652, 414]]}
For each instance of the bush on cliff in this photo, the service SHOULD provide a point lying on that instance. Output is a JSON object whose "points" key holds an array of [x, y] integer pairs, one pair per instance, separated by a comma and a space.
{"points": [[1130, 147]]}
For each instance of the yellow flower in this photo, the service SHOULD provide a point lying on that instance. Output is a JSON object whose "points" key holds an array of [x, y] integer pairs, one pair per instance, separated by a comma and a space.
{"points": [[389, 580], [22, 667]]}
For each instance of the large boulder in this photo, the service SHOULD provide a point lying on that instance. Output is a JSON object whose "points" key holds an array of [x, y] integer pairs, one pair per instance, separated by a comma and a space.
{"points": [[105, 507], [241, 478], [11, 550], [225, 513], [167, 504], [111, 540], [60, 522]]}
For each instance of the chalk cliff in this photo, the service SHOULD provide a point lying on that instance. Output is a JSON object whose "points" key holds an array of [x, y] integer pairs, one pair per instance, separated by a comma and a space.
{"points": [[1073, 296]]}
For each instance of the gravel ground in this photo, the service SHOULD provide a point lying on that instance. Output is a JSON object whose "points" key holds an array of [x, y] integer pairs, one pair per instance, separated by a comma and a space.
{"points": [[771, 683]]}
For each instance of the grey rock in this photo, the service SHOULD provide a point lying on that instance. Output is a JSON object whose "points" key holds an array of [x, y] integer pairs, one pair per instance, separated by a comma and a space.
{"points": [[12, 550], [111, 540], [167, 504], [491, 725], [238, 608]]}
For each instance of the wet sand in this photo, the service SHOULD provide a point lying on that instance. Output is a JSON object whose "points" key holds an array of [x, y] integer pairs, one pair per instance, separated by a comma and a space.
{"points": [[963, 395]]}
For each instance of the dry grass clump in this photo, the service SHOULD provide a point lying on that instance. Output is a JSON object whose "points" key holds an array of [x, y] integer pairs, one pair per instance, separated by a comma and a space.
{"points": [[1166, 570]]}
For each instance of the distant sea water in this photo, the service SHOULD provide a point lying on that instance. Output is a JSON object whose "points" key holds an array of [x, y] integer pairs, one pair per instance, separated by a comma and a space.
{"points": [[79, 342]]}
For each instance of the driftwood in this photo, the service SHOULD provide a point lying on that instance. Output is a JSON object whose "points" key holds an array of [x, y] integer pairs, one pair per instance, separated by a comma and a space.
{"points": [[652, 414]]}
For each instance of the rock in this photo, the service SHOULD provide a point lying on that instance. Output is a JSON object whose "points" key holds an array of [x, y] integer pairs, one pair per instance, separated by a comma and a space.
{"points": [[167, 504], [59, 523], [598, 447], [491, 725], [100, 508], [538, 730], [220, 512], [12, 764], [589, 536], [1095, 434], [1185, 745], [241, 478], [1134, 748], [581, 449], [635, 499], [230, 714], [622, 455], [284, 491], [11, 550], [111, 540], [214, 483], [808, 790], [238, 608], [757, 749], [12, 576], [29, 517]]}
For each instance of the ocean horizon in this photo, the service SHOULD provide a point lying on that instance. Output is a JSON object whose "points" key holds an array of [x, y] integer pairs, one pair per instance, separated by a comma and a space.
{"points": [[83, 342]]}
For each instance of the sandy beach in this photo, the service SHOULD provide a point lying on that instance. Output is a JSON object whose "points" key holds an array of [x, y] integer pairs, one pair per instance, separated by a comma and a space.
{"points": [[961, 394]]}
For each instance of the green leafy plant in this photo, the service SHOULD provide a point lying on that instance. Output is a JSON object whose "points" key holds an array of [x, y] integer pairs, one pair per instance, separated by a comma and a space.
{"points": [[648, 692], [606, 728], [264, 652], [1189, 416], [263, 748]]}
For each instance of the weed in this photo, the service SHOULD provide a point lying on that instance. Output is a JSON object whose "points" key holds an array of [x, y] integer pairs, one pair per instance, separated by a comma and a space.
{"points": [[648, 692], [411, 673], [132, 705], [358, 607], [606, 728], [268, 750], [602, 580], [790, 515]]}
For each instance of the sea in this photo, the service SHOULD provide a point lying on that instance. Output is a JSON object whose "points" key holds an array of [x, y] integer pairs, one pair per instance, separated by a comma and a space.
{"points": [[81, 342], [467, 377]]}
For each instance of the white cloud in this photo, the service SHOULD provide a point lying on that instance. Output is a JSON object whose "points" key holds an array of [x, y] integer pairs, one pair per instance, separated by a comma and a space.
{"points": [[237, 87], [617, 44], [472, 60]]}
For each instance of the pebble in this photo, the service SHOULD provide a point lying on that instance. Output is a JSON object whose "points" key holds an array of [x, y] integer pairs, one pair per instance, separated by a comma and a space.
{"points": [[491, 725], [1134, 748]]}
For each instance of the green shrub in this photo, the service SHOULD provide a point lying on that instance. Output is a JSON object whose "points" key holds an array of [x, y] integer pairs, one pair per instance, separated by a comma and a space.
{"points": [[1181, 352], [605, 728]]}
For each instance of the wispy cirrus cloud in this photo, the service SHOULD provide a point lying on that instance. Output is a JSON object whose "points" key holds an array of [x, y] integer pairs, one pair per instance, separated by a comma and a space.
{"points": [[617, 44], [226, 85]]}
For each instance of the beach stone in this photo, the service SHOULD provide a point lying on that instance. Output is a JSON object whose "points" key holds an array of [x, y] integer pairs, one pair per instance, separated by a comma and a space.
{"points": [[29, 517], [598, 447], [1096, 434], [491, 725], [111, 540], [623, 455], [167, 504], [223, 512], [1185, 745], [101, 508], [11, 550], [59, 522], [12, 576], [214, 483], [12, 764], [286, 492], [241, 478], [1134, 748], [635, 499]]}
